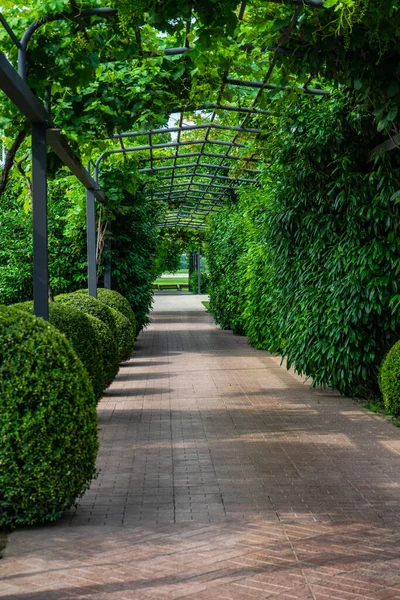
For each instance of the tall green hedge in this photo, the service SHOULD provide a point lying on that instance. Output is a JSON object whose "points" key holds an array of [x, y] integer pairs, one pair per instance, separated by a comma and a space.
{"points": [[48, 426], [308, 263], [75, 325]]}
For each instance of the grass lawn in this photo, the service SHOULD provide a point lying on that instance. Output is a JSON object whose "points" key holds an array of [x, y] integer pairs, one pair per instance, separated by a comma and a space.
{"points": [[169, 280]]}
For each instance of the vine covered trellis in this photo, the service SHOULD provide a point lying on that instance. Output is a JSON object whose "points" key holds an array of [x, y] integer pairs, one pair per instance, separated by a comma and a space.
{"points": [[160, 73]]}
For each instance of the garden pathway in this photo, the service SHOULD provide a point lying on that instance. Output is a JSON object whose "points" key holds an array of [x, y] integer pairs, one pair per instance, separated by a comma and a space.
{"points": [[222, 477]]}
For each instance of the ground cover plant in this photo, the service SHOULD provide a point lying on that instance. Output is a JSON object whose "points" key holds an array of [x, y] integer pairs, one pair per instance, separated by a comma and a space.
{"points": [[48, 425]]}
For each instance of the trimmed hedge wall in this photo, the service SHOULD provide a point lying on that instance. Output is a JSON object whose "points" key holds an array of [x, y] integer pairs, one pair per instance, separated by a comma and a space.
{"points": [[115, 300], [48, 425], [91, 306], [125, 335], [108, 348], [389, 380], [75, 325]]}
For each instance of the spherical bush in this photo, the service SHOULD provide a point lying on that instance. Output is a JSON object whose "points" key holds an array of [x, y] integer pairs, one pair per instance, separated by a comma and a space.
{"points": [[125, 335], [389, 380], [91, 306], [75, 325], [107, 344], [48, 426], [115, 300]]}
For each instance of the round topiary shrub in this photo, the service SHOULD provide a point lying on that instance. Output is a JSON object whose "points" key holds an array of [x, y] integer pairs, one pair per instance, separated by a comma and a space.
{"points": [[115, 300], [91, 306], [108, 347], [75, 325], [48, 425], [125, 335], [389, 380]]}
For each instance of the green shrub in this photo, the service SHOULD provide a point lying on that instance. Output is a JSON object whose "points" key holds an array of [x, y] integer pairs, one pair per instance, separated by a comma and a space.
{"points": [[389, 380], [108, 349], [75, 325], [193, 283], [91, 306], [125, 335], [115, 300], [48, 426], [308, 261]]}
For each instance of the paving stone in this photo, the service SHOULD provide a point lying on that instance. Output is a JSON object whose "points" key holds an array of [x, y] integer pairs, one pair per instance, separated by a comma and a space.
{"points": [[222, 476]]}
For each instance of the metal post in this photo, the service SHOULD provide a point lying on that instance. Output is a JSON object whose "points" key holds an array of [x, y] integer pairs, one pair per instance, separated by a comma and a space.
{"points": [[107, 272], [39, 214], [91, 243], [198, 272]]}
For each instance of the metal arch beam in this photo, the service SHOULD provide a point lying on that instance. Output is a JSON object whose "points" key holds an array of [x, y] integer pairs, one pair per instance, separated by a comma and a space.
{"points": [[272, 86], [208, 176], [214, 186], [209, 154], [130, 134], [191, 165], [189, 196], [199, 183], [168, 145], [20, 94], [228, 107], [59, 144], [30, 106]]}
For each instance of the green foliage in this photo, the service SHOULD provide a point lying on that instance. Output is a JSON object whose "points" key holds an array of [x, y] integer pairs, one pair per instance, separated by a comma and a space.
{"points": [[171, 244], [389, 380], [48, 426], [308, 265], [223, 249], [133, 219], [125, 335], [80, 300], [115, 300], [67, 243], [193, 283], [76, 327], [107, 348]]}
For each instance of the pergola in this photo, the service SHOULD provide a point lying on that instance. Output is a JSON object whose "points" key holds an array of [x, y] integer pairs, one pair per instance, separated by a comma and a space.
{"points": [[203, 164]]}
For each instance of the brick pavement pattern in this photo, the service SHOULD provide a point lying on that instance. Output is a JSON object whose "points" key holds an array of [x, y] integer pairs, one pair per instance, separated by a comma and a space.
{"points": [[222, 477]]}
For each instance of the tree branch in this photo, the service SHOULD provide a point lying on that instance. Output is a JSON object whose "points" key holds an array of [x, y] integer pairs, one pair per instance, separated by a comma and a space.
{"points": [[10, 159], [24, 175]]}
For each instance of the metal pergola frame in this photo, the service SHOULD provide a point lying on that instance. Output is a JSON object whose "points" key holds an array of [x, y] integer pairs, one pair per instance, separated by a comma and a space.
{"points": [[188, 213]]}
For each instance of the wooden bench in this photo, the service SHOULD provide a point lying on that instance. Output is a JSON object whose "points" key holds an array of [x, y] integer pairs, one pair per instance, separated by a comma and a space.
{"points": [[168, 286]]}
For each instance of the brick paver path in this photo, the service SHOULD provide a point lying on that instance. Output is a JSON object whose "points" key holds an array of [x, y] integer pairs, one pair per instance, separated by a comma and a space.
{"points": [[222, 477]]}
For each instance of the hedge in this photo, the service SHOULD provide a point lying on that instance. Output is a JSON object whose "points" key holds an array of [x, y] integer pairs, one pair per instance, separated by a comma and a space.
{"points": [[115, 300], [48, 429], [307, 263], [108, 349], [125, 335], [75, 325], [389, 380], [91, 306]]}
